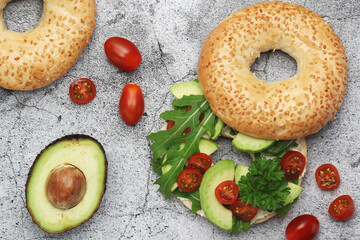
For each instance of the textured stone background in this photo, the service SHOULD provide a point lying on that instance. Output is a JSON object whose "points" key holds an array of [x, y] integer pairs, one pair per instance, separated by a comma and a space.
{"points": [[169, 35]]}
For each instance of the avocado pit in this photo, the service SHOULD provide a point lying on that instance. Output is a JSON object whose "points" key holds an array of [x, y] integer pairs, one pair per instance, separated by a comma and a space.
{"points": [[65, 186]]}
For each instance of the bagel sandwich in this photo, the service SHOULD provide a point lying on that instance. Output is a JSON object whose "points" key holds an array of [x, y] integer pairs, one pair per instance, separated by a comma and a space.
{"points": [[268, 120]]}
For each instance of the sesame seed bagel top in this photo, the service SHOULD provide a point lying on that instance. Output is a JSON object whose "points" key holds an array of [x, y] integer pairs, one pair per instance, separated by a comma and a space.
{"points": [[288, 109], [38, 57]]}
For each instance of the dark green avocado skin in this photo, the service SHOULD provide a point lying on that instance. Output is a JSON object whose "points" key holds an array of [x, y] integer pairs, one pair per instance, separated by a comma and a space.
{"points": [[71, 137]]}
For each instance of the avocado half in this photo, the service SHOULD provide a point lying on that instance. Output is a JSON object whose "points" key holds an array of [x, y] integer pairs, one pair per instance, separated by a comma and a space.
{"points": [[87, 156]]}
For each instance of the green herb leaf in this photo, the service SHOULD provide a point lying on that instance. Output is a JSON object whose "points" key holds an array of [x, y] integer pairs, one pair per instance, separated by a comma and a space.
{"points": [[194, 197], [279, 148], [239, 225], [281, 212], [264, 186], [165, 140]]}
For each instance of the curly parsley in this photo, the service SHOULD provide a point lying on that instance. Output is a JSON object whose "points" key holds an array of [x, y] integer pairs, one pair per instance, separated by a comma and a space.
{"points": [[264, 186]]}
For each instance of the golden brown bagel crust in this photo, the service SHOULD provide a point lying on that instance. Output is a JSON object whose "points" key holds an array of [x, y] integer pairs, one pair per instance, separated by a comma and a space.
{"points": [[288, 109], [38, 57]]}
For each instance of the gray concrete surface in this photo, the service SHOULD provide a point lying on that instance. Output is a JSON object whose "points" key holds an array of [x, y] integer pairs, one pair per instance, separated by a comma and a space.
{"points": [[169, 35]]}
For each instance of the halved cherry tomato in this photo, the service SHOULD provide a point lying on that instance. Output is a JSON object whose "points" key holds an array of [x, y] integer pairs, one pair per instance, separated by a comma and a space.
{"points": [[131, 105], [342, 208], [303, 227], [293, 163], [189, 179], [227, 192], [122, 53], [200, 161], [242, 211], [327, 177], [171, 123], [82, 91]]}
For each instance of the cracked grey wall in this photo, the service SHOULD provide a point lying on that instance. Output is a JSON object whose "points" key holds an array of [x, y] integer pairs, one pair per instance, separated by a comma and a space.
{"points": [[169, 35]]}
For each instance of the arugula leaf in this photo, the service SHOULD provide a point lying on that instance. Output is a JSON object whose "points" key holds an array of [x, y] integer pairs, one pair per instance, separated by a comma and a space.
{"points": [[239, 225], [165, 140], [281, 212], [279, 148], [264, 186], [194, 197]]}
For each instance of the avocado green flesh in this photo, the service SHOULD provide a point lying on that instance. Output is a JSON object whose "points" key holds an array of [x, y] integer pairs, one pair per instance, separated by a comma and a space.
{"points": [[185, 89], [295, 191], [240, 170], [86, 155], [213, 209], [205, 146]]}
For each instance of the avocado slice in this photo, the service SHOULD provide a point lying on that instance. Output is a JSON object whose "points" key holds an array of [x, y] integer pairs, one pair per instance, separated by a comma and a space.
{"points": [[185, 89], [80, 154], [213, 209], [240, 170], [295, 191]]}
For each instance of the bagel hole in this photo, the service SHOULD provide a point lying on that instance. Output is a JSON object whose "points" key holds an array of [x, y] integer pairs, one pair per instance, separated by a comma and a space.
{"points": [[22, 15], [274, 66]]}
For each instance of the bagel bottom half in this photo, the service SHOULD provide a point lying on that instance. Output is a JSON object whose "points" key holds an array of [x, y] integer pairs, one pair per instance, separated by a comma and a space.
{"points": [[265, 214]]}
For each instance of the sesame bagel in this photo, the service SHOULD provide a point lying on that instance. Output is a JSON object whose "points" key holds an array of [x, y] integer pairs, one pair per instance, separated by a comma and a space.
{"points": [[287, 109], [38, 57]]}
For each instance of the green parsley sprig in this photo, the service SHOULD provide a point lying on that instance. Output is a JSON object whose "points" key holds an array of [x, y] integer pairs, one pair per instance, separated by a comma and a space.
{"points": [[264, 186]]}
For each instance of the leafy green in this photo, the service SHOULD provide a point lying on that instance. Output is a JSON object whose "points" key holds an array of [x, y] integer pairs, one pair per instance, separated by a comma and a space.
{"points": [[239, 225], [233, 132], [281, 212], [264, 186], [169, 140], [194, 197], [279, 148], [294, 181]]}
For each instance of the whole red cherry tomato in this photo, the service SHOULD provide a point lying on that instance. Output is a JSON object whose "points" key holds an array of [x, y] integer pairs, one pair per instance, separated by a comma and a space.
{"points": [[227, 192], [82, 91], [189, 179], [122, 53], [131, 105], [293, 164], [303, 227], [342, 208], [327, 177], [242, 211]]}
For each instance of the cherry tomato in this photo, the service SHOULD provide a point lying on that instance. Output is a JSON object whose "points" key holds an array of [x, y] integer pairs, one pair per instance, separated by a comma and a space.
{"points": [[303, 227], [200, 161], [342, 208], [131, 105], [242, 211], [327, 177], [82, 91], [189, 179], [293, 164], [170, 124], [227, 192], [122, 53]]}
